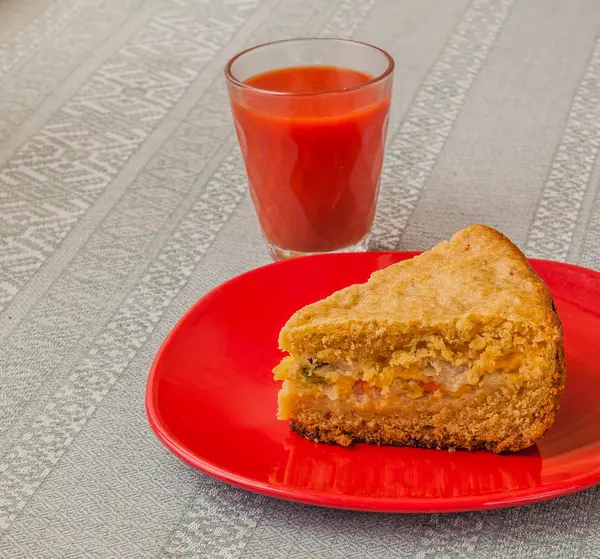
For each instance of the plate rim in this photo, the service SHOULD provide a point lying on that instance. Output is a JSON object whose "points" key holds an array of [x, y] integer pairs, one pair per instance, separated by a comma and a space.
{"points": [[403, 505]]}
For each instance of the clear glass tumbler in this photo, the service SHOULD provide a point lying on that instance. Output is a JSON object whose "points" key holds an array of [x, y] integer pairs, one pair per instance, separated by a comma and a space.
{"points": [[311, 118]]}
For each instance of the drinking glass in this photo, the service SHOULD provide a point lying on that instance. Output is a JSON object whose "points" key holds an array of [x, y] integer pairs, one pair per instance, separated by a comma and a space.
{"points": [[311, 118]]}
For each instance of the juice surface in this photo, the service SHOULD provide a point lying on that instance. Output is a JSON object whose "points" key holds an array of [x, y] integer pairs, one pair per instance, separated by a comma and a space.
{"points": [[301, 79], [313, 161]]}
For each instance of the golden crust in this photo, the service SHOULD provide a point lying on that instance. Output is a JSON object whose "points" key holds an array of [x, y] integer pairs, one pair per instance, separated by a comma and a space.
{"points": [[473, 283]]}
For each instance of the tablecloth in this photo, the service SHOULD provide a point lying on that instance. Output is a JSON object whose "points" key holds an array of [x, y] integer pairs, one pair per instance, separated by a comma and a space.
{"points": [[123, 200]]}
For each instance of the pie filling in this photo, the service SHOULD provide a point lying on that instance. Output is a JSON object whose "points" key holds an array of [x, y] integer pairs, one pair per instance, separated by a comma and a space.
{"points": [[378, 387]]}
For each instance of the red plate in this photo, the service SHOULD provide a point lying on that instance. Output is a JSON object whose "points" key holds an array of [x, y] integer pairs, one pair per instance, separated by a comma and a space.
{"points": [[211, 400]]}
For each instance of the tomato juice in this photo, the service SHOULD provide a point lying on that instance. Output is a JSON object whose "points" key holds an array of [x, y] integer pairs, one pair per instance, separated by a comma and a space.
{"points": [[313, 140]]}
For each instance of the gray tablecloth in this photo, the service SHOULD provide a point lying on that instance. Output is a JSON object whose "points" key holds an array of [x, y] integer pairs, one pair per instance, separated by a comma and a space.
{"points": [[123, 200]]}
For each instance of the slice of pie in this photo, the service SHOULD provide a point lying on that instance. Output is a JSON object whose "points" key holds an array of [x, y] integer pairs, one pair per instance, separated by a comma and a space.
{"points": [[460, 347]]}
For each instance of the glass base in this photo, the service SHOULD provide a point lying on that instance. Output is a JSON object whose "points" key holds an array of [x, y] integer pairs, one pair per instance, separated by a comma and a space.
{"points": [[283, 254]]}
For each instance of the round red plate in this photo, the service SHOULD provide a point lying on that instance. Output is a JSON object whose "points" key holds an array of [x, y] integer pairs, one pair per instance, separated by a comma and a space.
{"points": [[211, 400]]}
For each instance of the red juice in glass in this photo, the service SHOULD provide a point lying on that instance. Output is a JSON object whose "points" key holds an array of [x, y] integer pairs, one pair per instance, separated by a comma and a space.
{"points": [[313, 138]]}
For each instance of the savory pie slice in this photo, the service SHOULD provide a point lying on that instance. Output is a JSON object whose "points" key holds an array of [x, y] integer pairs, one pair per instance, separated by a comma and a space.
{"points": [[460, 347]]}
